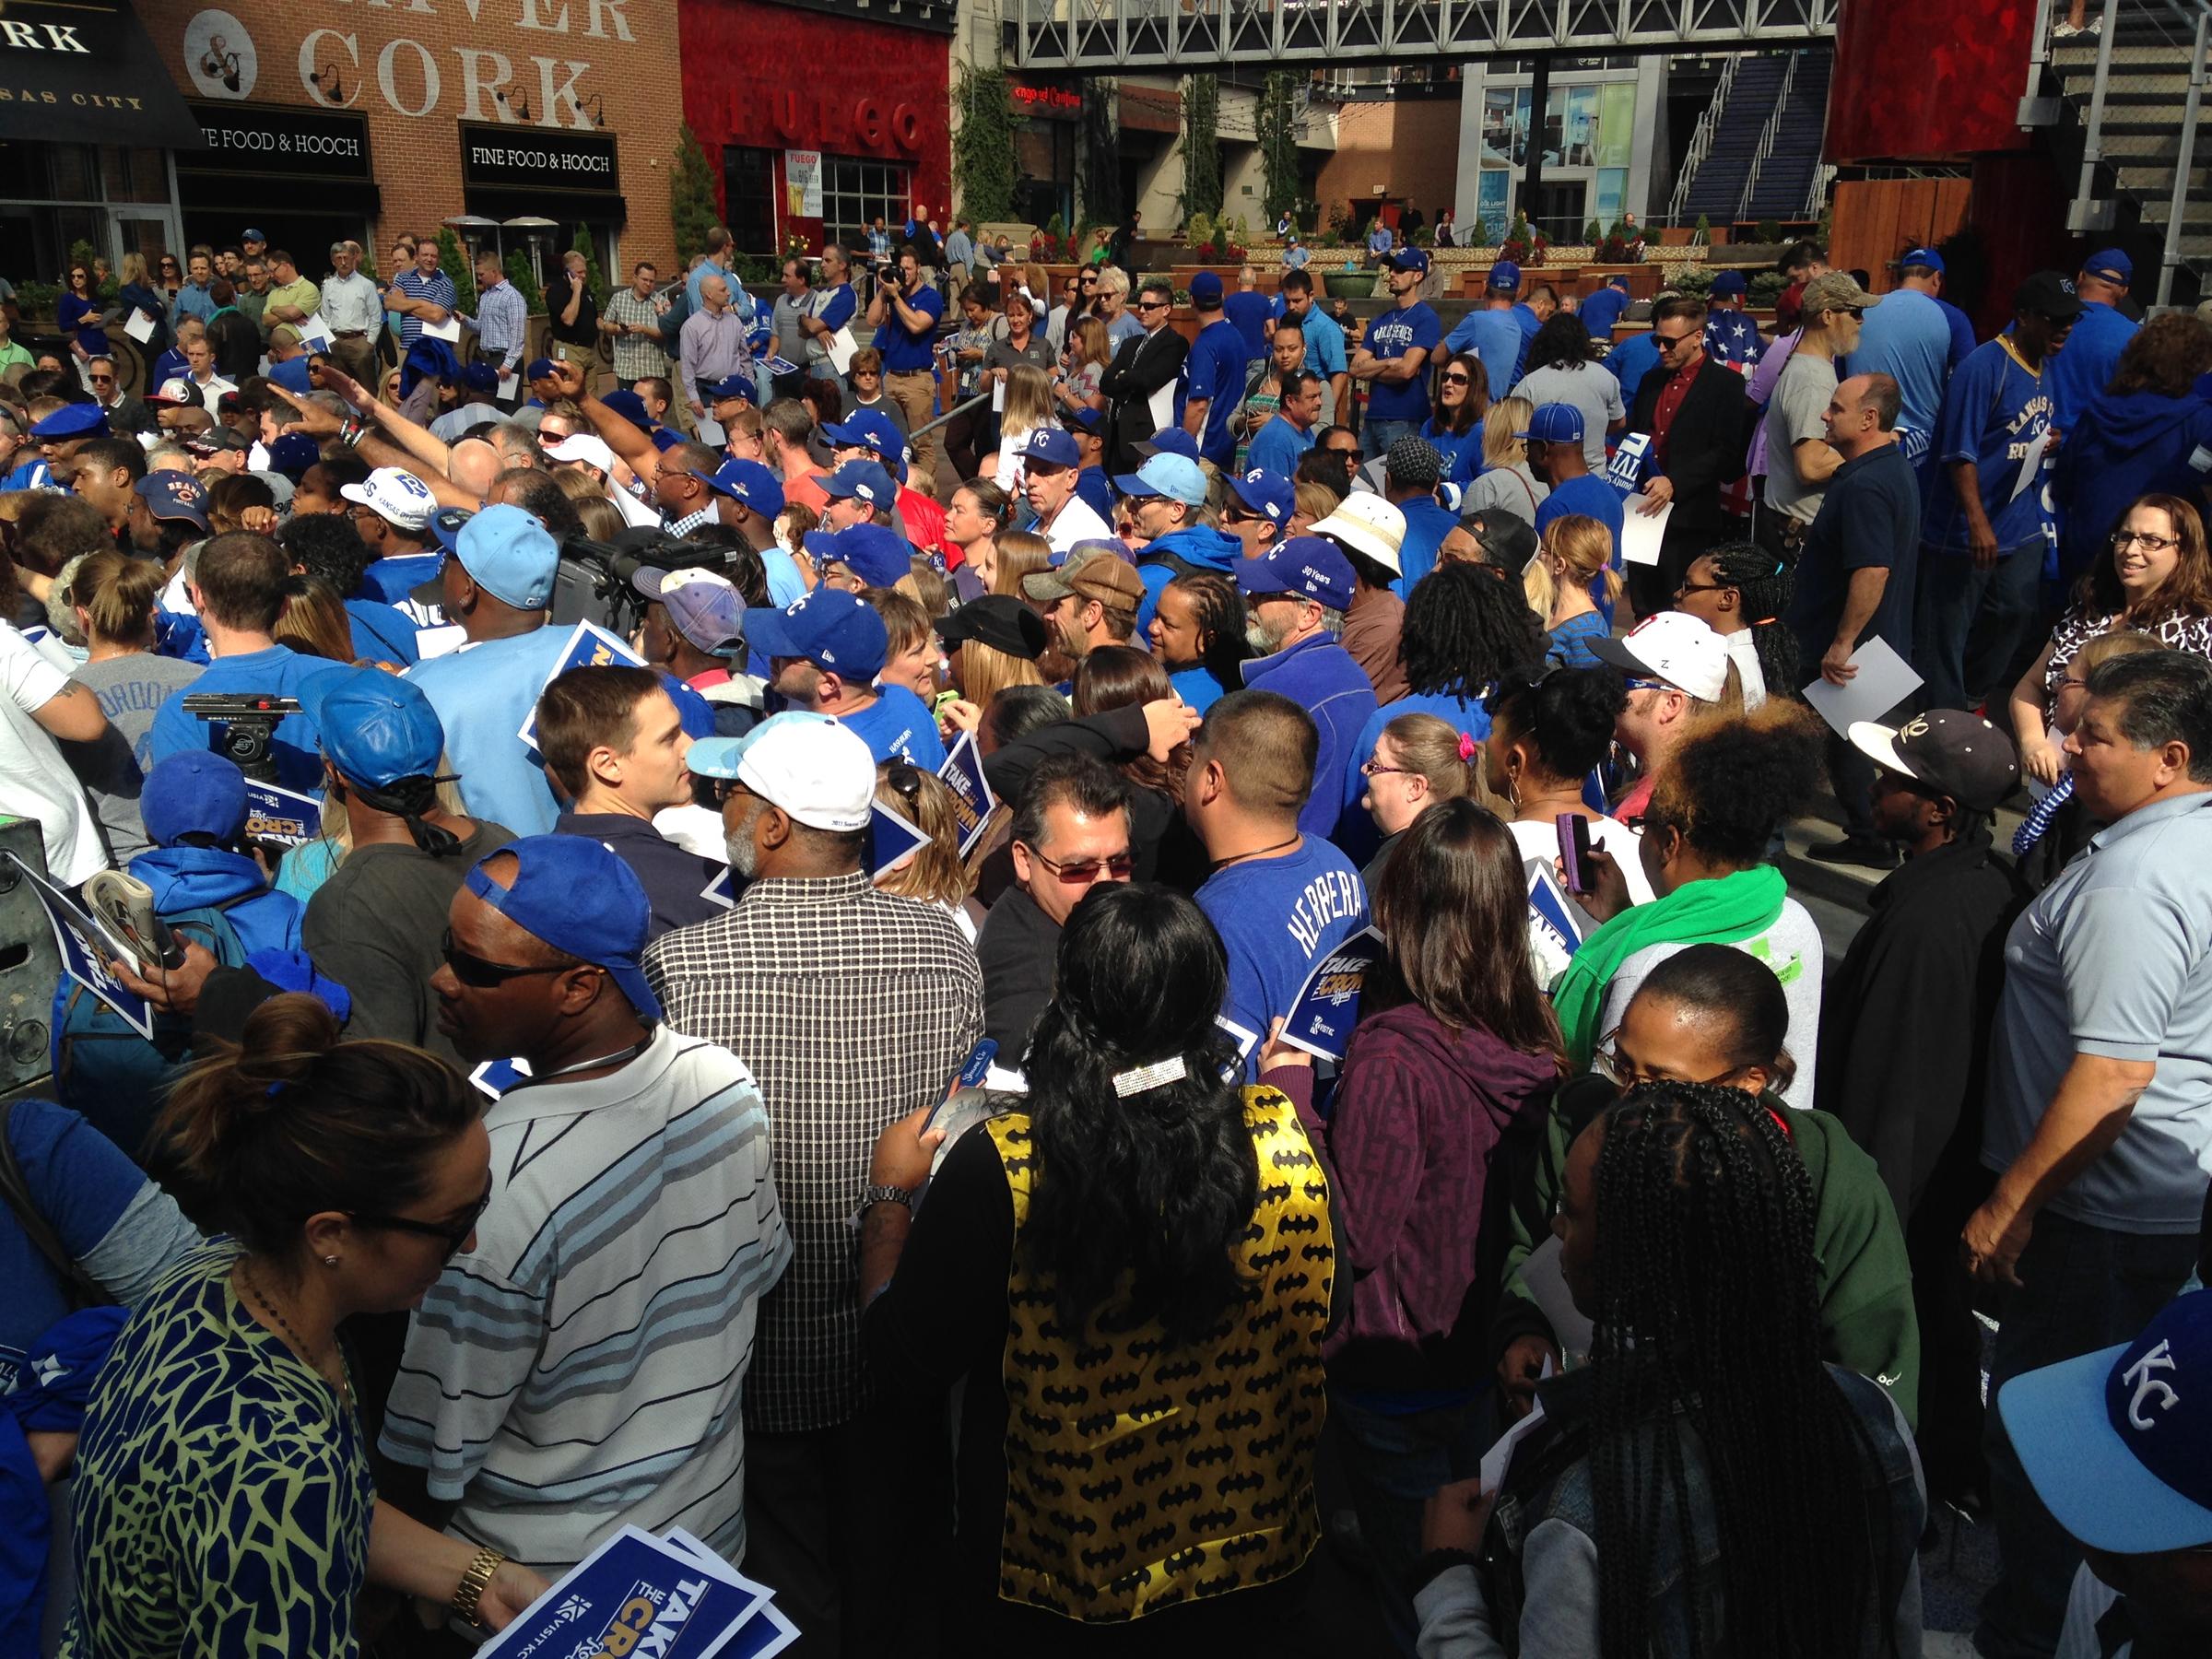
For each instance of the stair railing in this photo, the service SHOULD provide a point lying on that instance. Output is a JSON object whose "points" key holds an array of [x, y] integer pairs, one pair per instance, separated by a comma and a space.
{"points": [[1768, 134], [1700, 139]]}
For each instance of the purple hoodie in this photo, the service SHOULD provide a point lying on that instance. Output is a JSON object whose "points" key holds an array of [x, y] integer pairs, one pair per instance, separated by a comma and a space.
{"points": [[1412, 1148]]}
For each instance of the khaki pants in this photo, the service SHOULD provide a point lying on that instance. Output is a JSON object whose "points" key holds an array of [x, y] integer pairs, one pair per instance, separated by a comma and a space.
{"points": [[915, 392], [357, 355]]}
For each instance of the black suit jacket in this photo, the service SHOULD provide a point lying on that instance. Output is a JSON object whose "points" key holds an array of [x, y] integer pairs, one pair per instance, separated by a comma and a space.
{"points": [[1139, 369], [1704, 445]]}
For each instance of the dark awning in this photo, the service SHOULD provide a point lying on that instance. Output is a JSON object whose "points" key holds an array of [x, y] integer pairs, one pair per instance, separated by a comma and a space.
{"points": [[572, 209], [85, 72]]}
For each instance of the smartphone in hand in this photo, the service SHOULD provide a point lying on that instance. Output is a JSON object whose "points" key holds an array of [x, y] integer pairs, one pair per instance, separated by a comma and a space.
{"points": [[1574, 851]]}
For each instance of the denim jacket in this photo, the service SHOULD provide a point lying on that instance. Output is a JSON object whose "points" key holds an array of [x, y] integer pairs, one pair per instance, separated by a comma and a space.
{"points": [[1475, 1612]]}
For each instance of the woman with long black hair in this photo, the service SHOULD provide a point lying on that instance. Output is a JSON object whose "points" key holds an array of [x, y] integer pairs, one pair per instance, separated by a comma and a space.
{"points": [[1133, 1270], [1706, 1485], [1741, 592]]}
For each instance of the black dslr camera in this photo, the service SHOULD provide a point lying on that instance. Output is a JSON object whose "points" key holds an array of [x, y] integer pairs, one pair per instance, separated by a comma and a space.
{"points": [[248, 723]]}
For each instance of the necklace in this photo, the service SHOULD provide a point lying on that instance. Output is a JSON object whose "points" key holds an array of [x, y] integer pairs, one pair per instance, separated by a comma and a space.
{"points": [[254, 1288], [1222, 864]]}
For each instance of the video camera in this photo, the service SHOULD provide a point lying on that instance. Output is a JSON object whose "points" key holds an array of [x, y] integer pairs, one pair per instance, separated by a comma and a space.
{"points": [[598, 574], [248, 722]]}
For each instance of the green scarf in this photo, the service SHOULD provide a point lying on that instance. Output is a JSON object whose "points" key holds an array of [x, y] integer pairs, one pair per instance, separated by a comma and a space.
{"points": [[1699, 912]]}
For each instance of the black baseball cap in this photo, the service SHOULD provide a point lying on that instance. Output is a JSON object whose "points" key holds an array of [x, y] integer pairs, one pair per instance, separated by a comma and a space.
{"points": [[999, 620], [2048, 294], [1947, 750]]}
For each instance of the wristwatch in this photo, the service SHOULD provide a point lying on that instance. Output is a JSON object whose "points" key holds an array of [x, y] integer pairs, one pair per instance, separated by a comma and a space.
{"points": [[886, 1194]]}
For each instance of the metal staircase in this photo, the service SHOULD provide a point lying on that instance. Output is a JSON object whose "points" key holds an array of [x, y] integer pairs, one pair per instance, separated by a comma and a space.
{"points": [[1093, 37]]}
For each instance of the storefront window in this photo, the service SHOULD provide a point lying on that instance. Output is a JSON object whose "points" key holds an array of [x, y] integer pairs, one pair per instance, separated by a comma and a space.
{"points": [[855, 192], [749, 190], [55, 195]]}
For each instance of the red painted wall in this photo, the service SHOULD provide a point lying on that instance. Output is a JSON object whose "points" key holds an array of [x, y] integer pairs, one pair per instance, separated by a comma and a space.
{"points": [[781, 78], [1921, 81]]}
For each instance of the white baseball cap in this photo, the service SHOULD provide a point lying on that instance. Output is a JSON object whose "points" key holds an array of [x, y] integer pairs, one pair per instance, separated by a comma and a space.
{"points": [[394, 494], [1673, 646], [587, 447], [817, 770], [1369, 525]]}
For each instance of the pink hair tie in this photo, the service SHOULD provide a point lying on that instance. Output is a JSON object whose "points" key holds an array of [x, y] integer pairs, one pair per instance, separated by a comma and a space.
{"points": [[1466, 747]]}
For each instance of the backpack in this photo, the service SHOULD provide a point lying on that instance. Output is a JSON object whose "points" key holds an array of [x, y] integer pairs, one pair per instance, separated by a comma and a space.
{"points": [[103, 1068]]}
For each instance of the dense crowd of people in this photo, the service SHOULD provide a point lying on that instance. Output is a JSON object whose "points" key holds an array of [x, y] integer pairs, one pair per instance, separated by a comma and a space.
{"points": [[940, 932]]}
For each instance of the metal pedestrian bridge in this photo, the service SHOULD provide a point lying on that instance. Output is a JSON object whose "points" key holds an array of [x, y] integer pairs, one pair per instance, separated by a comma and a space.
{"points": [[1088, 36]]}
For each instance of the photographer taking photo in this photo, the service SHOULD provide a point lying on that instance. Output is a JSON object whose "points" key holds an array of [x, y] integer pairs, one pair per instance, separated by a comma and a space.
{"points": [[904, 313]]}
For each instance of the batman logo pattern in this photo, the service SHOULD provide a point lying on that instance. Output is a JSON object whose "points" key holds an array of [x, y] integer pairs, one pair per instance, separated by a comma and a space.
{"points": [[1191, 1468]]}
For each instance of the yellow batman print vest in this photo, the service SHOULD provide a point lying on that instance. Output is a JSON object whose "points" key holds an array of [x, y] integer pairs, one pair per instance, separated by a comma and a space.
{"points": [[1140, 1475]]}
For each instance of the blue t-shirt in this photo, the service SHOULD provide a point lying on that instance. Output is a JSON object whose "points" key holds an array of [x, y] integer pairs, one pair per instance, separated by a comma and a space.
{"points": [[1093, 489], [898, 725], [1277, 917], [1462, 714], [1962, 331], [1325, 345], [1631, 361], [33, 474], [1497, 339], [1732, 337], [1995, 415], [1196, 687], [1396, 333], [1602, 310], [1570, 640], [904, 352], [381, 633], [1426, 525], [483, 693], [1461, 452], [2082, 369], [291, 374], [392, 579], [838, 308], [1907, 338], [1214, 369], [1591, 497], [80, 1181], [278, 671], [1280, 446], [1249, 309]]}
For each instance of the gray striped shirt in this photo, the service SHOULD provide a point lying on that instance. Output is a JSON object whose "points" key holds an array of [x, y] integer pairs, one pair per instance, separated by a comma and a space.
{"points": [[583, 1368]]}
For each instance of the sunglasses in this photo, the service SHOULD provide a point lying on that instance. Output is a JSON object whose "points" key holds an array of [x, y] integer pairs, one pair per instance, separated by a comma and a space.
{"points": [[1144, 305], [452, 1234], [482, 975], [1668, 342], [1083, 872], [101, 380], [1459, 380]]}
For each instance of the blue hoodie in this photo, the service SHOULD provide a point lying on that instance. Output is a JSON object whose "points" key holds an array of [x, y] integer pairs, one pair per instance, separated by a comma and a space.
{"points": [[1321, 678], [2125, 445], [186, 878], [1194, 545]]}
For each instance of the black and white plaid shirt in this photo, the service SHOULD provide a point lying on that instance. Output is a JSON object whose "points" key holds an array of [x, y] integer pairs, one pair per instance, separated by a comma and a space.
{"points": [[851, 1008]]}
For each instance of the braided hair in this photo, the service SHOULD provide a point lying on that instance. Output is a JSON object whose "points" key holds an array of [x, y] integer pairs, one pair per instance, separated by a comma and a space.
{"points": [[1466, 626], [1764, 584], [1704, 1233], [1219, 610]]}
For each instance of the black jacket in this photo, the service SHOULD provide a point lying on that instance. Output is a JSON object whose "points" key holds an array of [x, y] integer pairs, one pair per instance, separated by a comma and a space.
{"points": [[1905, 1022], [1139, 369], [1705, 444], [676, 880], [1015, 950], [236, 345]]}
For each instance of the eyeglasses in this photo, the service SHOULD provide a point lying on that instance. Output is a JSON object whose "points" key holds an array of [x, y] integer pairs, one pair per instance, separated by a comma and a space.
{"points": [[1607, 1062], [452, 1234], [2149, 544], [1367, 768], [1119, 867], [1704, 587], [479, 974]]}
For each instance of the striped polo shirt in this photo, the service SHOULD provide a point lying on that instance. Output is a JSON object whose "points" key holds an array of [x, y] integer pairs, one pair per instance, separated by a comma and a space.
{"points": [[583, 1368]]}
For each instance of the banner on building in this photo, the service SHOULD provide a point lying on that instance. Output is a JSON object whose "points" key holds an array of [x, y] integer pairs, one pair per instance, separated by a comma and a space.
{"points": [[803, 184]]}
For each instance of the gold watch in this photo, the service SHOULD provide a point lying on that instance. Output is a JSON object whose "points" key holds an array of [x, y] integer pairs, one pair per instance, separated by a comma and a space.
{"points": [[475, 1579]]}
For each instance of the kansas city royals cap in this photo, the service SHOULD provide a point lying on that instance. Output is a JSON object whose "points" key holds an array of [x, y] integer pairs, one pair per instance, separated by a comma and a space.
{"points": [[1410, 259], [193, 792], [735, 385], [2118, 1444], [1555, 423], [1923, 256], [1168, 440], [1205, 289], [1269, 494], [572, 893], [395, 494], [1311, 567], [877, 554], [1729, 282], [828, 628], [509, 554], [748, 481], [1505, 277], [863, 481], [2111, 265], [1175, 476], [1052, 446]]}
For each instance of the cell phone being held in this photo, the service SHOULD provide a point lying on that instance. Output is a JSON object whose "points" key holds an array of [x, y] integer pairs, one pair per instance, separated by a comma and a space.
{"points": [[1574, 851]]}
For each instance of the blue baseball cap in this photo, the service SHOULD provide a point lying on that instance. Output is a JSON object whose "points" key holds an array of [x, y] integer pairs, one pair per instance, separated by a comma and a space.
{"points": [[193, 792], [1088, 419], [375, 728], [446, 524], [735, 385], [828, 628], [539, 368], [71, 420], [2111, 264], [1555, 423], [866, 428], [1175, 476], [875, 553], [174, 495], [1205, 290], [665, 438], [292, 454], [1732, 282], [863, 480], [251, 235], [748, 481], [509, 554], [1311, 567], [1505, 277], [1168, 440], [1923, 256], [1414, 259], [2118, 1444], [1268, 494], [479, 378], [573, 893], [631, 407], [1052, 446]]}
